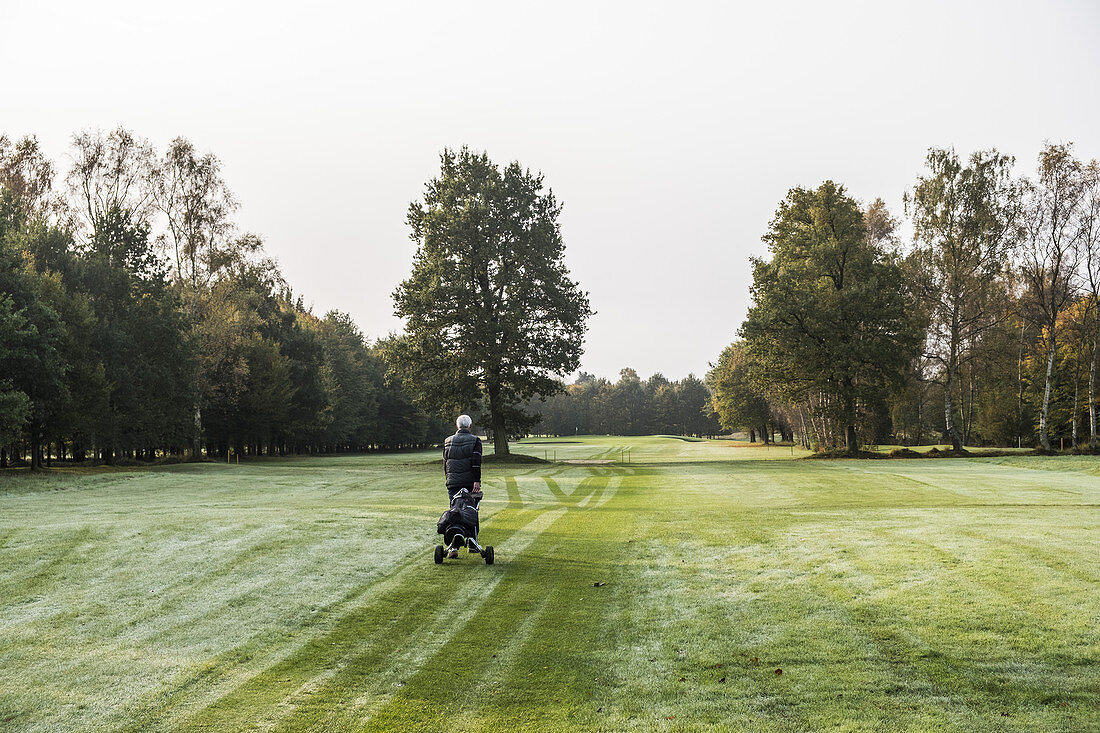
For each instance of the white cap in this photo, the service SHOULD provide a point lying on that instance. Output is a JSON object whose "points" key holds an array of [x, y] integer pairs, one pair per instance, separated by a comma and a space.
{"points": [[463, 421]]}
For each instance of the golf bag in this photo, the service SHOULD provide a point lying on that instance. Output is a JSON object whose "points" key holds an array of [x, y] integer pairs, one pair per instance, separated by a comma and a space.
{"points": [[459, 524]]}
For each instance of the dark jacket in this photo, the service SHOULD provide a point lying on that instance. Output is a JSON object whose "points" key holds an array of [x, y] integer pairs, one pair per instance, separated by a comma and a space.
{"points": [[462, 459]]}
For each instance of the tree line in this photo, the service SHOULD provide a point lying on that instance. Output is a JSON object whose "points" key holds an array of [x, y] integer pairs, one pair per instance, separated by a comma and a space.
{"points": [[137, 322], [983, 330], [630, 406]]}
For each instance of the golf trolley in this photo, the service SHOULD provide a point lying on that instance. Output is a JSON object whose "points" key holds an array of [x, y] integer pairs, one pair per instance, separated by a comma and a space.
{"points": [[459, 527]]}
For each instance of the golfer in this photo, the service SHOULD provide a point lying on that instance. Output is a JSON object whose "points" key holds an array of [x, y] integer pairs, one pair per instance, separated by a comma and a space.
{"points": [[462, 459]]}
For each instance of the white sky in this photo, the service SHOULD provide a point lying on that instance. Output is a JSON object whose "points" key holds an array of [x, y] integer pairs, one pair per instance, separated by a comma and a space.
{"points": [[669, 130]]}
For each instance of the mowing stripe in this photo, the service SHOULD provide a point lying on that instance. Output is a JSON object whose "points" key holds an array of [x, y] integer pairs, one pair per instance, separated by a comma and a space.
{"points": [[555, 489], [599, 484], [229, 676], [376, 689], [515, 501]]}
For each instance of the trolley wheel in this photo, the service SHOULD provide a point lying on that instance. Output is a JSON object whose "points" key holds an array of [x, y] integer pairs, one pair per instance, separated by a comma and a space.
{"points": [[439, 554], [489, 555]]}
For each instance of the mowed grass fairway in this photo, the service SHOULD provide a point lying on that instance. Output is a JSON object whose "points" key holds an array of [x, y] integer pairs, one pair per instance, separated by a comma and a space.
{"points": [[953, 594]]}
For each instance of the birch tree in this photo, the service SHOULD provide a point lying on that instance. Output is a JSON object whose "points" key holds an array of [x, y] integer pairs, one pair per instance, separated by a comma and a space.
{"points": [[1089, 232], [964, 228], [1050, 254]]}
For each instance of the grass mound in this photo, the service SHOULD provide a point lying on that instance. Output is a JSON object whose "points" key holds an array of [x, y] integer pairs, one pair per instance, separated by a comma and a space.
{"points": [[844, 453], [904, 453], [512, 459], [492, 459]]}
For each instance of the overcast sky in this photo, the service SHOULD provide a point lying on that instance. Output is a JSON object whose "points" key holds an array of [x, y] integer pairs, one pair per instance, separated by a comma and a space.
{"points": [[670, 131]]}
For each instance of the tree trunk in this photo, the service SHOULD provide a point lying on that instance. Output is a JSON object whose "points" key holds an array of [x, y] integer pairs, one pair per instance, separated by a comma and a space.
{"points": [[920, 414], [500, 435], [802, 422], [1020, 391], [196, 440], [1044, 438], [1076, 403], [1092, 393], [36, 449], [968, 423], [752, 435], [851, 439], [496, 413], [950, 430]]}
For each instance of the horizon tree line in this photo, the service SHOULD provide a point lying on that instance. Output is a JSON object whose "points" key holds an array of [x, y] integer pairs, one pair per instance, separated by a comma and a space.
{"points": [[630, 406]]}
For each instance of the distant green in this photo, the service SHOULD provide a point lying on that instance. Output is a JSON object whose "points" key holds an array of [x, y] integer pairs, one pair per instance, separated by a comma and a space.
{"points": [[300, 594]]}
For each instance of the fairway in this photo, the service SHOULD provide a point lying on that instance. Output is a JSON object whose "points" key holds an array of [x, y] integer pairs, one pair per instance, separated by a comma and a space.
{"points": [[702, 585]]}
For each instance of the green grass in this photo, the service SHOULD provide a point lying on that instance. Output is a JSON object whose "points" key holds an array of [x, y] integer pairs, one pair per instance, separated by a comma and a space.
{"points": [[956, 594]]}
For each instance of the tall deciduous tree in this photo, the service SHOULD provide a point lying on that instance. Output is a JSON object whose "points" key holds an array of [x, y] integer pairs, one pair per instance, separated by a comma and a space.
{"points": [[1090, 251], [738, 403], [197, 205], [27, 176], [492, 315], [1050, 253], [111, 176], [964, 219], [829, 316]]}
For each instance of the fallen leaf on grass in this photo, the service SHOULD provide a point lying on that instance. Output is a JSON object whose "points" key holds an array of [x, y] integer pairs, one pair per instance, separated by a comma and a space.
{"points": [[598, 585], [756, 660], [722, 680], [683, 679], [778, 671]]}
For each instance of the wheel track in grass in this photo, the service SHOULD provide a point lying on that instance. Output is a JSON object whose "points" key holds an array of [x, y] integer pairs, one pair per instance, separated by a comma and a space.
{"points": [[907, 667], [1005, 590], [15, 589]]}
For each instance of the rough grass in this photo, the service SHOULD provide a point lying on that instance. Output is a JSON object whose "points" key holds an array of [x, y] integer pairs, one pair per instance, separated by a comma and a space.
{"points": [[736, 591]]}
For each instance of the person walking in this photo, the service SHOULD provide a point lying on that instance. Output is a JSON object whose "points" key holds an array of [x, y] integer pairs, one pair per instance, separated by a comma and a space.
{"points": [[462, 461]]}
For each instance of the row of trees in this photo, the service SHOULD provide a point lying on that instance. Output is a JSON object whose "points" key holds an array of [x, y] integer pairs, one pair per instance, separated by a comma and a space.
{"points": [[986, 329], [630, 406], [136, 321]]}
